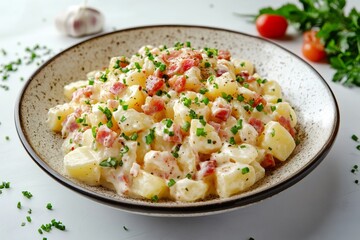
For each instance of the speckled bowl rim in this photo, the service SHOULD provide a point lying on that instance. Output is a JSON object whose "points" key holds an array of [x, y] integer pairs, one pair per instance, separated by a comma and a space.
{"points": [[179, 210]]}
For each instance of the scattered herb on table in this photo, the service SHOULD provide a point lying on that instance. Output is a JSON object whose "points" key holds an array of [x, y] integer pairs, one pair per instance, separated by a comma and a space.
{"points": [[36, 54], [337, 32], [27, 194], [49, 206], [125, 228]]}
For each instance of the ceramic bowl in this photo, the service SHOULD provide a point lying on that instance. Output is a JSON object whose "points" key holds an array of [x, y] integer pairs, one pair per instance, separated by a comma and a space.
{"points": [[303, 87]]}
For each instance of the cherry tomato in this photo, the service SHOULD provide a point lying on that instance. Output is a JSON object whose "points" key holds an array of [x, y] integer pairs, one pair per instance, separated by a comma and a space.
{"points": [[312, 47], [271, 25]]}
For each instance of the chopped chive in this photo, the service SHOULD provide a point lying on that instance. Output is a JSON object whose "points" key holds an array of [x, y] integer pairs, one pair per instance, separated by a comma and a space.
{"points": [[201, 132], [49, 206], [171, 182], [245, 170], [354, 137], [154, 198], [186, 126]]}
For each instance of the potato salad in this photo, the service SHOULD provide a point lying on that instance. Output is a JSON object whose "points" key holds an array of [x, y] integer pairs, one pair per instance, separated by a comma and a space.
{"points": [[175, 124]]}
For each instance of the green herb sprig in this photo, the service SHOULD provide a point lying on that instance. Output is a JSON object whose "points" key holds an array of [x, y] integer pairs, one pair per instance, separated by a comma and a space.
{"points": [[339, 32]]}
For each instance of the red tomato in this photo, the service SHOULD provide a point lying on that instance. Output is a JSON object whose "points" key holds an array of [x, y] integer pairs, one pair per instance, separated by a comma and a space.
{"points": [[271, 25], [312, 47]]}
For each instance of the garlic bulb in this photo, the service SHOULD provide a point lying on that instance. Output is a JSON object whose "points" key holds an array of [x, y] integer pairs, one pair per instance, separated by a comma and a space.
{"points": [[79, 21]]}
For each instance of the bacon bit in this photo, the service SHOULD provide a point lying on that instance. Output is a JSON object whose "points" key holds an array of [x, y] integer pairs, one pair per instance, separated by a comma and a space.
{"points": [[285, 122], [172, 55], [105, 136], [220, 71], [158, 73], [224, 54], [135, 169], [187, 64], [222, 113], [177, 138], [215, 125], [78, 111], [206, 168], [70, 124], [112, 103], [153, 84], [123, 63], [259, 99], [117, 88], [177, 83], [156, 104], [82, 92], [268, 161], [257, 124], [73, 126], [182, 62]]}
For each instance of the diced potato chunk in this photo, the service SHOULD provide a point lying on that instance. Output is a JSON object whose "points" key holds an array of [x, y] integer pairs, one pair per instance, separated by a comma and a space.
{"points": [[148, 186], [243, 65], [259, 170], [134, 97], [72, 87], [136, 78], [131, 121], [161, 164], [277, 140], [187, 158], [187, 190], [83, 164], [57, 115], [244, 153], [232, 178], [223, 84], [193, 79], [204, 139], [272, 91], [284, 109]]}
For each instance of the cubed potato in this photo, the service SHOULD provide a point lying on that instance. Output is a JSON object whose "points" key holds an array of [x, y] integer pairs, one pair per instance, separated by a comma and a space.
{"points": [[162, 164], [134, 97], [203, 139], [57, 115], [148, 186], [187, 158], [131, 121], [277, 140], [187, 190], [72, 87], [223, 84], [83, 164], [193, 79], [244, 153], [259, 170], [136, 78], [272, 88], [242, 65], [232, 178], [284, 109], [143, 147]]}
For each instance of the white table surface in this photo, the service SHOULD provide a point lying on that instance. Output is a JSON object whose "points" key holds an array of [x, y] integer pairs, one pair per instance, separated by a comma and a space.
{"points": [[324, 205]]}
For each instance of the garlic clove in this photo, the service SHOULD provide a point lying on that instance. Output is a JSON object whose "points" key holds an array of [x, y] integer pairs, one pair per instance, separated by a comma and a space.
{"points": [[79, 21]]}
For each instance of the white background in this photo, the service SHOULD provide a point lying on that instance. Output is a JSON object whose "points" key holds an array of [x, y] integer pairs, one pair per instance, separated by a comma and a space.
{"points": [[324, 205]]}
